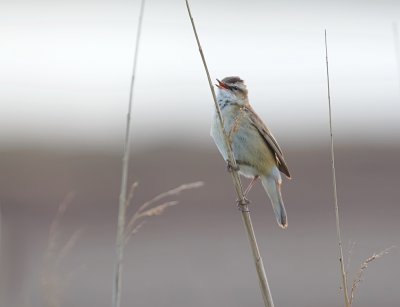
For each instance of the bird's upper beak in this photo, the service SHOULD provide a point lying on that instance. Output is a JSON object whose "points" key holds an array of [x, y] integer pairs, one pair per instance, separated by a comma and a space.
{"points": [[222, 85]]}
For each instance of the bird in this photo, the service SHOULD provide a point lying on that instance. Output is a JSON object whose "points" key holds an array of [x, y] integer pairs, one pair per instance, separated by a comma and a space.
{"points": [[257, 153]]}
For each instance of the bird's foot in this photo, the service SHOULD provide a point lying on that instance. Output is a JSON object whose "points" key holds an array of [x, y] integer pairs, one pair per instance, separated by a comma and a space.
{"points": [[243, 204], [230, 166]]}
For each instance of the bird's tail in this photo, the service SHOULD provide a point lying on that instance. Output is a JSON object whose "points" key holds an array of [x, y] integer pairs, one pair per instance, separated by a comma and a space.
{"points": [[272, 186]]}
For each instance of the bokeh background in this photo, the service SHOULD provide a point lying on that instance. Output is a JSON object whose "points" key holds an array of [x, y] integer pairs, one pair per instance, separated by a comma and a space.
{"points": [[65, 74]]}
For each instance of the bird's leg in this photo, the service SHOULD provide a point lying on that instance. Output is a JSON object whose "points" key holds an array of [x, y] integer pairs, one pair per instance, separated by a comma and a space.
{"points": [[243, 204], [230, 167], [253, 181]]}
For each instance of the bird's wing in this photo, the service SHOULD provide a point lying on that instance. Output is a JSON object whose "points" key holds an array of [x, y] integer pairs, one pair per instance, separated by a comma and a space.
{"points": [[269, 140]]}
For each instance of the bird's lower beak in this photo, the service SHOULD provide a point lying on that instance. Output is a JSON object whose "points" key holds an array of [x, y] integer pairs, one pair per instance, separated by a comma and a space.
{"points": [[221, 85]]}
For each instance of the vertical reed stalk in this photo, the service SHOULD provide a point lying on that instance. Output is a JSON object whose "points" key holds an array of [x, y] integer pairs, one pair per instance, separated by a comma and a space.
{"points": [[120, 240], [262, 278], [338, 234]]}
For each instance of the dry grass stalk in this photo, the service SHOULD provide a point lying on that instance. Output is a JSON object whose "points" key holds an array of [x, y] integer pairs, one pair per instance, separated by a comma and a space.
{"points": [[149, 209], [130, 194], [133, 227], [53, 285], [348, 300], [338, 234], [175, 191], [68, 246], [357, 280], [243, 203], [120, 241], [157, 210], [55, 225]]}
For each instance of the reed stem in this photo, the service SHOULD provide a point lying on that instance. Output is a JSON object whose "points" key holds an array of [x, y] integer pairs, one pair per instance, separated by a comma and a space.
{"points": [[120, 240], [338, 233], [243, 203]]}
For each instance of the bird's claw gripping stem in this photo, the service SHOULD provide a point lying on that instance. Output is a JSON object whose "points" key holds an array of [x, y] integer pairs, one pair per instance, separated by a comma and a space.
{"points": [[242, 204], [230, 167]]}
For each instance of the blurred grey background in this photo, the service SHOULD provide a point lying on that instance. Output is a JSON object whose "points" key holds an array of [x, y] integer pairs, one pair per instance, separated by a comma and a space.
{"points": [[65, 74]]}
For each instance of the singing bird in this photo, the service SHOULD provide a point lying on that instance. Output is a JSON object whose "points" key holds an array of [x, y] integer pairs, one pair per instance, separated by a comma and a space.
{"points": [[256, 151]]}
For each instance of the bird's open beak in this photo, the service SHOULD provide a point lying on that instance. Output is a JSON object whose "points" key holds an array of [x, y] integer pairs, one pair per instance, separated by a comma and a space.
{"points": [[222, 85]]}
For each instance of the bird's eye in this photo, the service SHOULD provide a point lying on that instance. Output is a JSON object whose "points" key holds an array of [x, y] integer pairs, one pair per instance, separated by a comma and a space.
{"points": [[235, 88]]}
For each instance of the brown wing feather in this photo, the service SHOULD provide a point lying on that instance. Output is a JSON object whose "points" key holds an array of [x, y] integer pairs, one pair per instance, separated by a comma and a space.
{"points": [[269, 140]]}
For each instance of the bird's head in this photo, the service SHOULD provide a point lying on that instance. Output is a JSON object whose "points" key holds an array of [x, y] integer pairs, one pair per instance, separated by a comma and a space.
{"points": [[232, 89]]}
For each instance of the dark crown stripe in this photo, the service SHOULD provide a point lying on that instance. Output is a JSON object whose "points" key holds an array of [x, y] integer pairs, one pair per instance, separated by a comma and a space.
{"points": [[232, 80]]}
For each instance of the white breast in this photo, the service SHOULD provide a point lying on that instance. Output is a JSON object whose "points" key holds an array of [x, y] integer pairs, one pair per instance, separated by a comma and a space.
{"points": [[216, 132]]}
